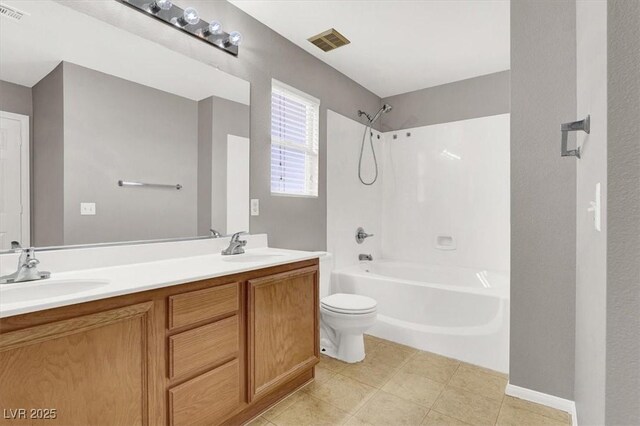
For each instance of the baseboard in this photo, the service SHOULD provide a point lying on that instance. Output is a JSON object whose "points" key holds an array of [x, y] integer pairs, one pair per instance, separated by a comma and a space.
{"points": [[544, 399]]}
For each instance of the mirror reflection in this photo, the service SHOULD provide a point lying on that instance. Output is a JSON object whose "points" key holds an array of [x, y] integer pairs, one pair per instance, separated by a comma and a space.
{"points": [[149, 144]]}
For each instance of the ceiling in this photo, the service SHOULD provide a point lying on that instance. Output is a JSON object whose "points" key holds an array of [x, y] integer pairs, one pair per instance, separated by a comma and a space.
{"points": [[401, 45], [35, 45]]}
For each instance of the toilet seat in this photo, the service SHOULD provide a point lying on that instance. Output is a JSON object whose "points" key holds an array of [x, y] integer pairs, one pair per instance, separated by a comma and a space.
{"points": [[350, 304]]}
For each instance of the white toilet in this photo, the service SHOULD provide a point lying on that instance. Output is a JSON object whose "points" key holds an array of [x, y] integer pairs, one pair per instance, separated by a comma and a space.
{"points": [[343, 318]]}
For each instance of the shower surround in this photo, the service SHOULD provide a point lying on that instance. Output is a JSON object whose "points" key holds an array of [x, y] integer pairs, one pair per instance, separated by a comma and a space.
{"points": [[441, 204]]}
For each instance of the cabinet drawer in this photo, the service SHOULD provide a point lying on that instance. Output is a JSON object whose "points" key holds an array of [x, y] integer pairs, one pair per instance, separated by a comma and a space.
{"points": [[204, 346], [208, 399], [196, 306]]}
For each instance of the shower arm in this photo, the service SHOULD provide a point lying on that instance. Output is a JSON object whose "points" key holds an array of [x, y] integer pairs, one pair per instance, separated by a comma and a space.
{"points": [[361, 113]]}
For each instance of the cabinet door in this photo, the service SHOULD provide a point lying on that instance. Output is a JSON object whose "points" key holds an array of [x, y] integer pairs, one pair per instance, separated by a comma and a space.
{"points": [[283, 328], [92, 370]]}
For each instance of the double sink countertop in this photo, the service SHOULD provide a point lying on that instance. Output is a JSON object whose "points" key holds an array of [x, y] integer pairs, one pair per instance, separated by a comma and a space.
{"points": [[72, 287]]}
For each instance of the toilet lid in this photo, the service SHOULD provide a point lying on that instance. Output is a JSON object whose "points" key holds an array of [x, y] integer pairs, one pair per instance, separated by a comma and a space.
{"points": [[348, 303]]}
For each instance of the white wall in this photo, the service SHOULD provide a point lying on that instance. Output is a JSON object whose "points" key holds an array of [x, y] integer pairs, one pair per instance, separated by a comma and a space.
{"points": [[448, 179], [444, 179], [591, 245], [350, 203]]}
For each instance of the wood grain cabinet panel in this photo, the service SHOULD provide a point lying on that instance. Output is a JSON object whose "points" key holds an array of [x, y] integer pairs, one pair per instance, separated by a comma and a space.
{"points": [[201, 305], [92, 370], [208, 399], [211, 344], [283, 328]]}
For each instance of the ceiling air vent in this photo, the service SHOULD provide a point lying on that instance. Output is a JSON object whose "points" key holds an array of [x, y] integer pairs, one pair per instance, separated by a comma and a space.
{"points": [[10, 12], [329, 40]]}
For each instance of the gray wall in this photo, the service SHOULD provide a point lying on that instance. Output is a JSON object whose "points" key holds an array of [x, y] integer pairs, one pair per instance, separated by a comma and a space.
{"points": [[264, 55], [543, 196], [591, 245], [217, 118], [15, 98], [47, 158], [116, 129], [205, 140], [623, 239], [472, 98]]}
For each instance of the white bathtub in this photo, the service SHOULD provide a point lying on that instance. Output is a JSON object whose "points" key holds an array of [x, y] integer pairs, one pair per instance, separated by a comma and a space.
{"points": [[461, 313]]}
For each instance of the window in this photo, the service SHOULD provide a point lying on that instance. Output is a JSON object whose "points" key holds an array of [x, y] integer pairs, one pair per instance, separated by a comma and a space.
{"points": [[294, 141]]}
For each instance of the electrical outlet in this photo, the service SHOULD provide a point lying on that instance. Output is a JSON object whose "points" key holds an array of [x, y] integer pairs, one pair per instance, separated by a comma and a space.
{"points": [[255, 207], [87, 209]]}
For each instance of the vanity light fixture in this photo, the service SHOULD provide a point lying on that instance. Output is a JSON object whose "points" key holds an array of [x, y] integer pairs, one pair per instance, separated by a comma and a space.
{"points": [[188, 21]]}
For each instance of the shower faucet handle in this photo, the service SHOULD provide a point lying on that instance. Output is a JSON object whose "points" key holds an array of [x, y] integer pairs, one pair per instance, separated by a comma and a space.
{"points": [[361, 235]]}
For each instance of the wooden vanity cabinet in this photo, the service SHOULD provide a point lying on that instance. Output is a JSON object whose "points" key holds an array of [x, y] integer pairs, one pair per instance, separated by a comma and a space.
{"points": [[283, 329], [203, 353]]}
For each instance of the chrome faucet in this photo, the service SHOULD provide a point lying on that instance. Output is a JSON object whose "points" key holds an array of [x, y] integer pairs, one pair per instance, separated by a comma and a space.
{"points": [[362, 257], [361, 235], [235, 245], [215, 234], [27, 267]]}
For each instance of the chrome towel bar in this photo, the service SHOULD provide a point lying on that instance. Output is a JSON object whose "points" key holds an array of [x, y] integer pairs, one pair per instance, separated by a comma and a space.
{"points": [[153, 185]]}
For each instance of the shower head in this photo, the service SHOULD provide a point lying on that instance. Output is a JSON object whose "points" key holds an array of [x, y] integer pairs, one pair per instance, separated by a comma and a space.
{"points": [[385, 108]]}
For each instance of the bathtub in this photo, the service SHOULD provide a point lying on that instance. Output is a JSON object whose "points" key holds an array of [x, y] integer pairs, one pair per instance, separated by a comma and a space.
{"points": [[460, 313]]}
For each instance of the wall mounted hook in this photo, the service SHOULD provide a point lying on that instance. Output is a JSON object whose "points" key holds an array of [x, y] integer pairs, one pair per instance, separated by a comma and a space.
{"points": [[565, 128]]}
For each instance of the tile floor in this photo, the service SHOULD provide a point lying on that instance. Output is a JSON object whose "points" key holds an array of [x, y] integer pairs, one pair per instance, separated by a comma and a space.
{"points": [[399, 385]]}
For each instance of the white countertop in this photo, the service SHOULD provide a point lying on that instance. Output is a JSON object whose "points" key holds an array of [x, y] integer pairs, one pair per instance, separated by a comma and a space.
{"points": [[113, 281]]}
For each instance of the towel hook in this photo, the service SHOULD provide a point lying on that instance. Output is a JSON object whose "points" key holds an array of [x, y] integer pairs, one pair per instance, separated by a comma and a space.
{"points": [[565, 128]]}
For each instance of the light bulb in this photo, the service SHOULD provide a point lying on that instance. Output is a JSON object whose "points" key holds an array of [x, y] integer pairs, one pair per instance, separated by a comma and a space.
{"points": [[164, 4], [190, 16], [159, 5], [215, 28], [235, 38]]}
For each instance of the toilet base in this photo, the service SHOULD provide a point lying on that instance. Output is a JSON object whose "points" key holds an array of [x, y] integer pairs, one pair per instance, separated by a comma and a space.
{"points": [[345, 347]]}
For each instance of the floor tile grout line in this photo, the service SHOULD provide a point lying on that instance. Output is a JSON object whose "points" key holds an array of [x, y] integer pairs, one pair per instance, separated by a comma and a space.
{"points": [[395, 373], [405, 362], [341, 409], [312, 397], [538, 413], [402, 397], [449, 385], [499, 410], [397, 370], [425, 416], [445, 388]]}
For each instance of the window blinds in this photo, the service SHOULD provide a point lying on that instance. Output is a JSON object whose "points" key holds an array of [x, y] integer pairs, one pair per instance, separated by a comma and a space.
{"points": [[294, 141]]}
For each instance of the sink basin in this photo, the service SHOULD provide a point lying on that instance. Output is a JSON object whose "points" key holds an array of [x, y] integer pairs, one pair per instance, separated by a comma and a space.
{"points": [[247, 258], [38, 290]]}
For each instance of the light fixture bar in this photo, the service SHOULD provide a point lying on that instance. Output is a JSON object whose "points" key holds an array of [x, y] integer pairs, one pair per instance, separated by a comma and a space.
{"points": [[175, 16]]}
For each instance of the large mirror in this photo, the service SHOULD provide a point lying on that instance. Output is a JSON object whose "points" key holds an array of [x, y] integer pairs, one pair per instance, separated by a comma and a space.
{"points": [[109, 137]]}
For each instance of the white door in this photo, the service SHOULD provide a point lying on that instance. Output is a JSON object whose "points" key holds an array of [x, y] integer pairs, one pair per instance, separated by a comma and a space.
{"points": [[237, 184], [14, 180]]}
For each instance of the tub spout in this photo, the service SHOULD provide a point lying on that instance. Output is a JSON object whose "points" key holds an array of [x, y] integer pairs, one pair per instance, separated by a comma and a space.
{"points": [[362, 257]]}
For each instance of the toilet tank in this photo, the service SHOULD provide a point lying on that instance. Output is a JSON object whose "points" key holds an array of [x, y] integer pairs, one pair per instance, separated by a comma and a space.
{"points": [[326, 267]]}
